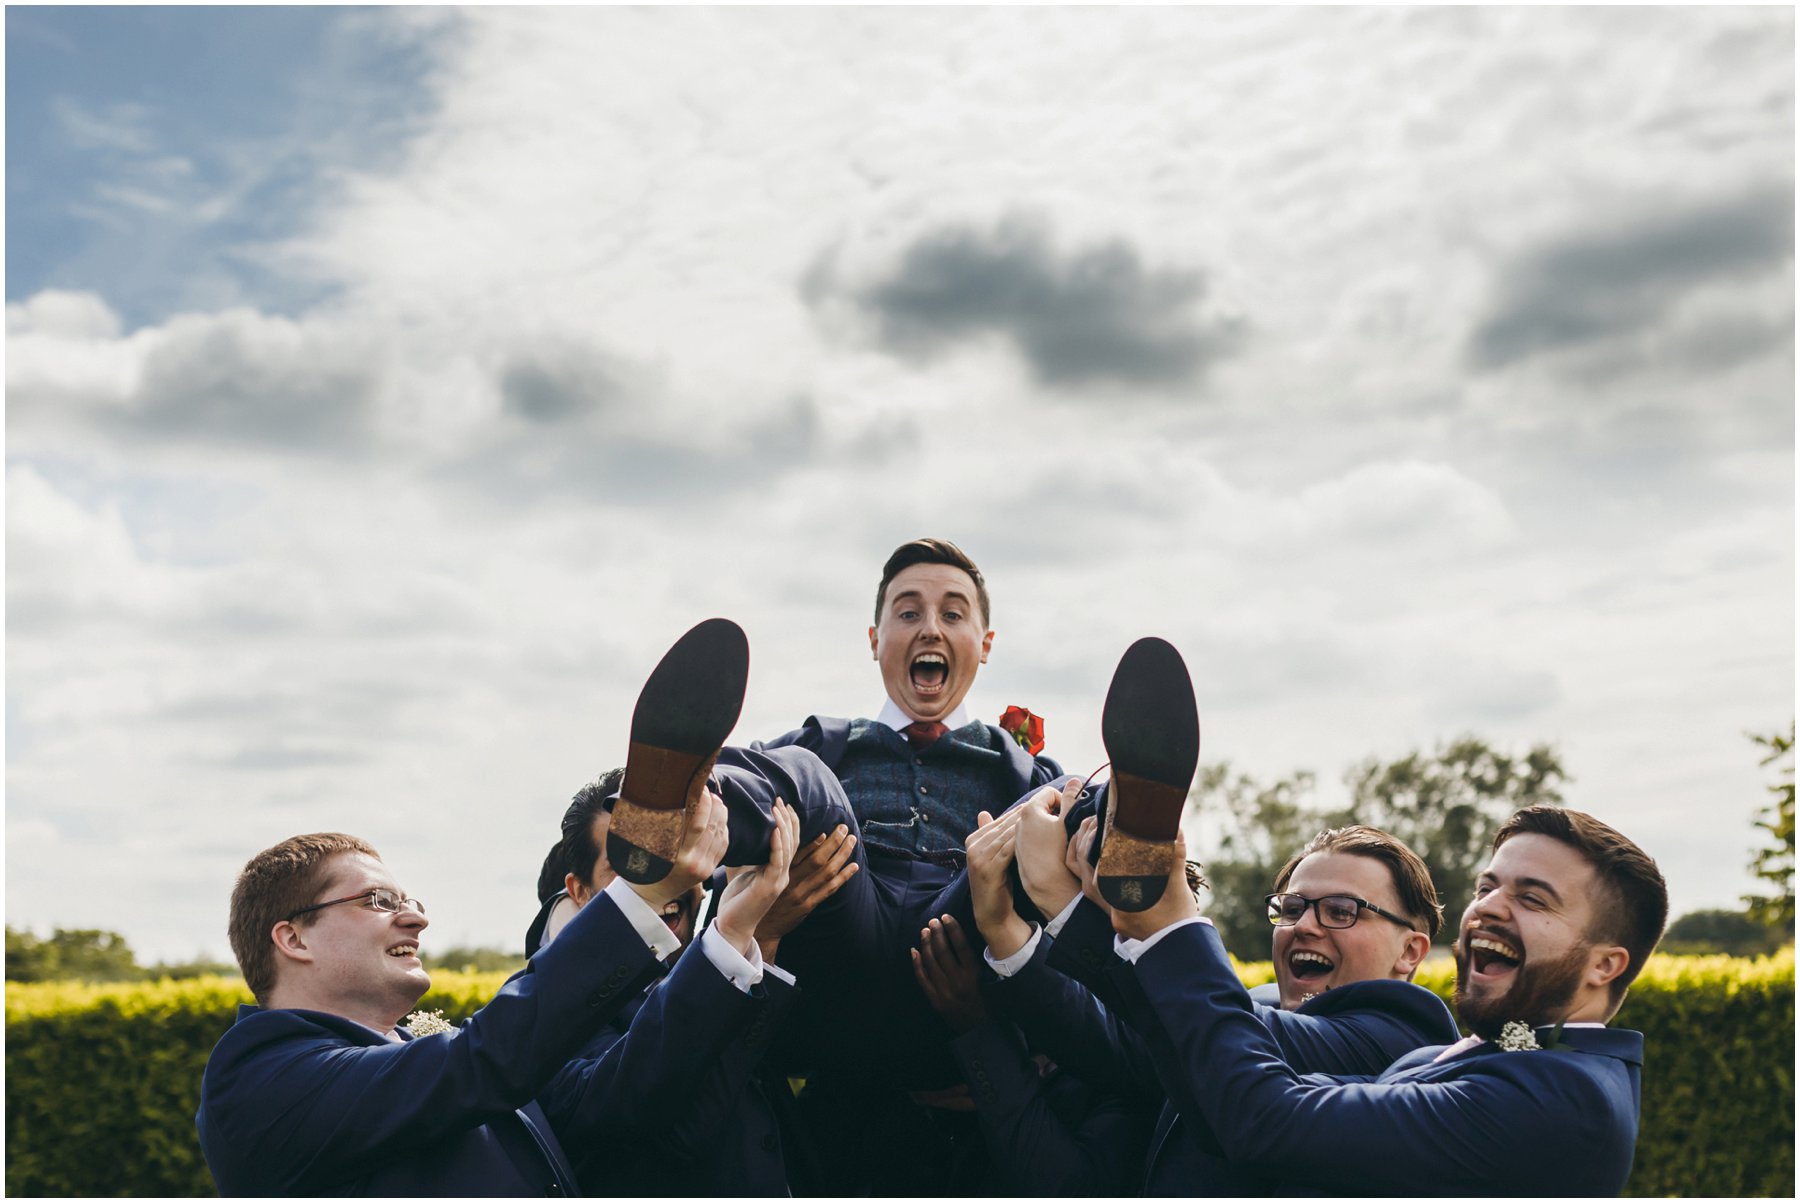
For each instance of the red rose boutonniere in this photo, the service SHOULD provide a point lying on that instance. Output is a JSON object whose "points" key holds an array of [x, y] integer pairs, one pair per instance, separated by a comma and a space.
{"points": [[1025, 727]]}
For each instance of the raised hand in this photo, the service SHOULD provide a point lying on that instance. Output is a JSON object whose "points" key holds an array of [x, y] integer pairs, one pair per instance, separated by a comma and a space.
{"points": [[703, 840], [1043, 848], [1077, 859], [818, 872], [753, 891], [991, 848], [944, 965]]}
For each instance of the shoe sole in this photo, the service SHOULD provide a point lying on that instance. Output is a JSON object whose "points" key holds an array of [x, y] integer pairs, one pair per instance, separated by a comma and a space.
{"points": [[1151, 729], [683, 715]]}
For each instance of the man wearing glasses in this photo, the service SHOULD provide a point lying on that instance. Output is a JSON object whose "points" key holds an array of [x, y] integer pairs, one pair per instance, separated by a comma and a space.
{"points": [[1354, 913], [1543, 1099], [319, 1089]]}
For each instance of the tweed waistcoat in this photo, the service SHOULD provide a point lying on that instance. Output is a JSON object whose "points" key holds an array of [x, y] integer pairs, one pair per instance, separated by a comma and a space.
{"points": [[922, 803]]}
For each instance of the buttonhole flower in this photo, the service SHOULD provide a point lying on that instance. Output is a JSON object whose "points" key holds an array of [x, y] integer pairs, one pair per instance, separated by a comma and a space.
{"points": [[428, 1023], [1025, 727]]}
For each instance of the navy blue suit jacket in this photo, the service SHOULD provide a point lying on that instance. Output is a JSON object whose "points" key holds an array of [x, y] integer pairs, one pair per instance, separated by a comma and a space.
{"points": [[1357, 1028], [1048, 1134], [663, 1101], [1484, 1122], [304, 1103]]}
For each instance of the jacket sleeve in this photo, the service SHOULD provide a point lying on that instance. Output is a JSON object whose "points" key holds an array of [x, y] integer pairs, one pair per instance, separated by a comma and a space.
{"points": [[303, 1104], [1084, 950], [636, 1083], [1093, 1146], [706, 1112], [1064, 1020], [1516, 1126]]}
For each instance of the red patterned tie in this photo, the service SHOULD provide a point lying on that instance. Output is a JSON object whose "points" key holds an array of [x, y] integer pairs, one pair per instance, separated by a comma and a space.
{"points": [[923, 735]]}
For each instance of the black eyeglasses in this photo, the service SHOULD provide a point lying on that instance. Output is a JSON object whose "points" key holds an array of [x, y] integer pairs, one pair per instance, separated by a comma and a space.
{"points": [[1333, 910], [388, 901]]}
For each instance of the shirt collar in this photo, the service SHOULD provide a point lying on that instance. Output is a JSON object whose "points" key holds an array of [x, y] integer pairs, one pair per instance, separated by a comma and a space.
{"points": [[896, 719]]}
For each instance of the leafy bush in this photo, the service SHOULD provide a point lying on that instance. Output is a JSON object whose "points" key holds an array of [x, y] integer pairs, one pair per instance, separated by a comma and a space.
{"points": [[102, 1081]]}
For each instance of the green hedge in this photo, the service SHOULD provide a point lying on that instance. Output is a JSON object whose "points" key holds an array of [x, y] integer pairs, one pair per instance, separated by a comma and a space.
{"points": [[102, 1081]]}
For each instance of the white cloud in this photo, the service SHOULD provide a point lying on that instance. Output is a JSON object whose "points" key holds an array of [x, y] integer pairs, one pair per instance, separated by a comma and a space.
{"points": [[61, 314], [399, 561]]}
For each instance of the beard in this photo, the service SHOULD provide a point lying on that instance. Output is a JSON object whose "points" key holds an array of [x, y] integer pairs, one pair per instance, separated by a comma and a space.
{"points": [[1539, 992]]}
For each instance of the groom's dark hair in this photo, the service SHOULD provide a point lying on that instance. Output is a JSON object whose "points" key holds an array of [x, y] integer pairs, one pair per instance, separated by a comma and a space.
{"points": [[930, 551], [277, 882]]}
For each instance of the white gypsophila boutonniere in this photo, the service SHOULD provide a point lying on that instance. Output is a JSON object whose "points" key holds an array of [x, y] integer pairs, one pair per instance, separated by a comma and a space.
{"points": [[1517, 1037], [428, 1023]]}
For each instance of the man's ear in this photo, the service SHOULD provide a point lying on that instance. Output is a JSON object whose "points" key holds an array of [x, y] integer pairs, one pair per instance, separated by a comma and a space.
{"points": [[1606, 962], [1412, 954], [987, 641], [290, 942], [874, 645], [579, 893]]}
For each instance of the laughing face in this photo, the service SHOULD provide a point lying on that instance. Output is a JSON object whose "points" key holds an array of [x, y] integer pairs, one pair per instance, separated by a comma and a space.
{"points": [[1311, 958], [930, 641], [366, 961], [1523, 952]]}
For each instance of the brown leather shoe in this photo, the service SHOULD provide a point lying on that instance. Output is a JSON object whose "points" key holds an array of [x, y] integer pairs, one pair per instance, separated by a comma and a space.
{"points": [[1151, 730], [686, 709]]}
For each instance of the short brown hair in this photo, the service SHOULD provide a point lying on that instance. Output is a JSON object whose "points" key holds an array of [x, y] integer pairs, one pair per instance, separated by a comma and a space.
{"points": [[1412, 880], [930, 551], [1636, 901], [277, 882]]}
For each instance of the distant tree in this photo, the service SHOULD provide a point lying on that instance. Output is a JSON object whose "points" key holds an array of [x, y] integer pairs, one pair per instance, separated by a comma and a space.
{"points": [[27, 958], [1775, 865], [200, 966], [474, 960], [1448, 805], [1258, 827], [1706, 932], [86, 954]]}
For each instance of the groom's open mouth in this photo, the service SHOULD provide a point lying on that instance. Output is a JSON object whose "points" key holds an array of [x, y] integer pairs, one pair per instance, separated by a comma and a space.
{"points": [[929, 672], [408, 950], [674, 912]]}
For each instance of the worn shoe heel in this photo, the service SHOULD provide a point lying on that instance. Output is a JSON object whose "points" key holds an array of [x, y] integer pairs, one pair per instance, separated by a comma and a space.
{"points": [[1151, 729], [686, 709]]}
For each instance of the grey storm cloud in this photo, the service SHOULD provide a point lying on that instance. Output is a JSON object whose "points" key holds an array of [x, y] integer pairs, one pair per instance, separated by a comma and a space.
{"points": [[659, 463], [548, 388], [229, 383], [1602, 284], [1097, 315]]}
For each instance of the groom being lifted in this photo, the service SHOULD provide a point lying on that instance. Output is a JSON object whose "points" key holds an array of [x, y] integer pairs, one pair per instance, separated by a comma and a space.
{"points": [[913, 780]]}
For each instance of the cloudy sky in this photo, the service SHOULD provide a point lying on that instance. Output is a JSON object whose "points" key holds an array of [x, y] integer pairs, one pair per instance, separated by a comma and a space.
{"points": [[386, 389]]}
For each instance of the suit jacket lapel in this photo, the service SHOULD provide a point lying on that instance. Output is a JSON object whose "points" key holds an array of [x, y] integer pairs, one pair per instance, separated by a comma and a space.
{"points": [[1165, 1124], [1019, 763], [539, 1126]]}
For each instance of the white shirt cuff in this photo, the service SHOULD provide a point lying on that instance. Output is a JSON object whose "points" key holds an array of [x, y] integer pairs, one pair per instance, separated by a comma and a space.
{"points": [[743, 972], [1055, 926], [643, 919], [1131, 950], [1010, 965], [778, 971]]}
